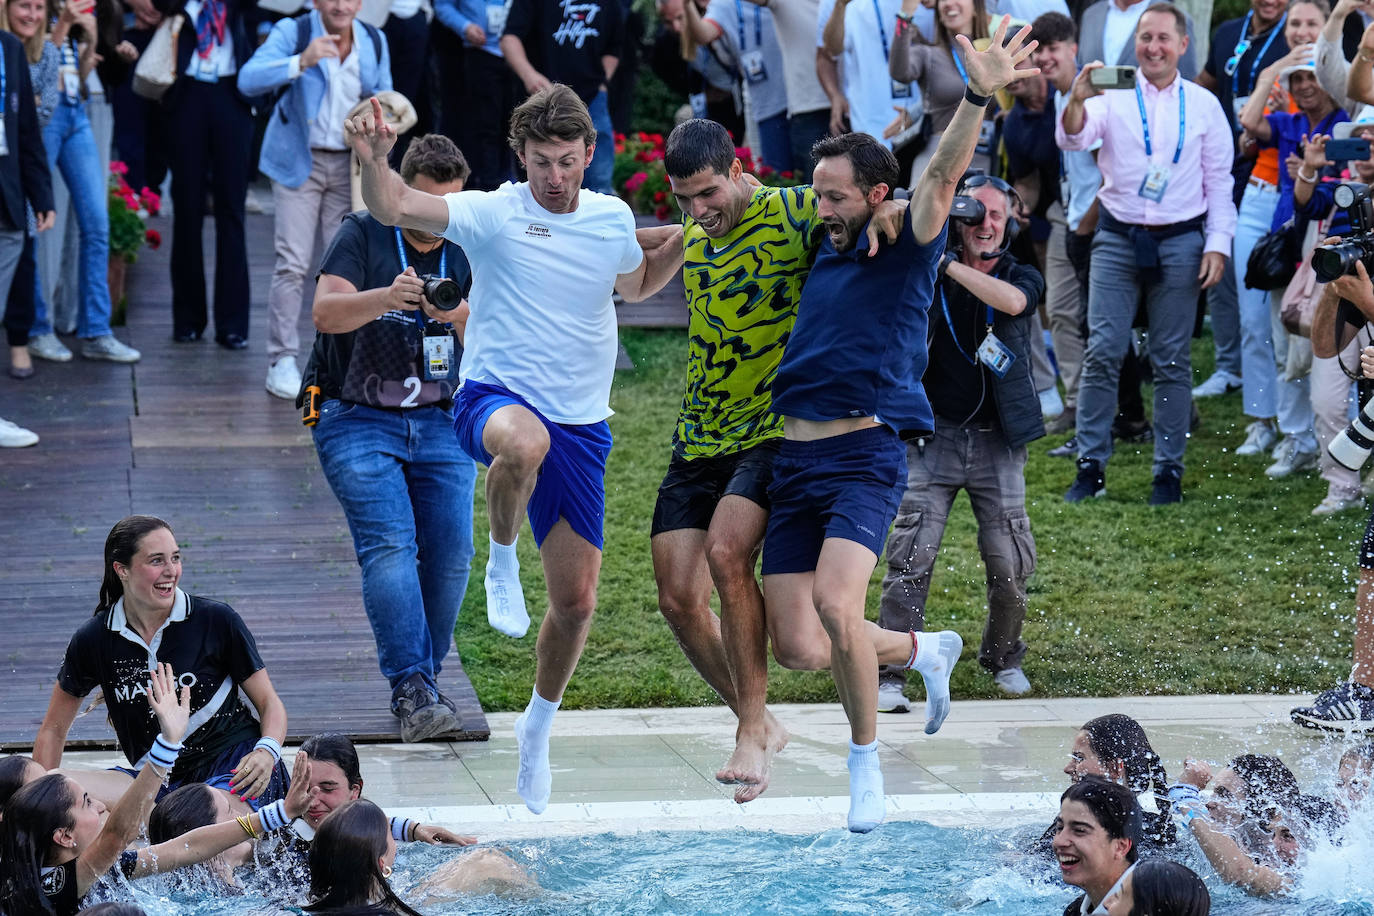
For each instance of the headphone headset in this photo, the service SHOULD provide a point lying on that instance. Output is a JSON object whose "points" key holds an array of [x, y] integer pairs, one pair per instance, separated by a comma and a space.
{"points": [[1013, 226]]}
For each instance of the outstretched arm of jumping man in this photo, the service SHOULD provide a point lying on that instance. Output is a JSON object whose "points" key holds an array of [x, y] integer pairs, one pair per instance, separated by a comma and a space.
{"points": [[385, 195]]}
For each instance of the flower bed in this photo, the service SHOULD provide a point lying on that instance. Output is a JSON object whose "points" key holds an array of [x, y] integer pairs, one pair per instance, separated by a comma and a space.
{"points": [[128, 210]]}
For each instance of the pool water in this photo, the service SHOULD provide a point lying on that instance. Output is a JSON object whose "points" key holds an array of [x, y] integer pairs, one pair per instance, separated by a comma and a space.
{"points": [[908, 867]]}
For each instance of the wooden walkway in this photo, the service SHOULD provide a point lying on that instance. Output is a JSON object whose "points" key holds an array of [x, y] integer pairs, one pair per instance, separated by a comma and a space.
{"points": [[188, 434]]}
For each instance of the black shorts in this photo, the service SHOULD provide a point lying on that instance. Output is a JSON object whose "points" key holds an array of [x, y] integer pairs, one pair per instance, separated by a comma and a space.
{"points": [[690, 490]]}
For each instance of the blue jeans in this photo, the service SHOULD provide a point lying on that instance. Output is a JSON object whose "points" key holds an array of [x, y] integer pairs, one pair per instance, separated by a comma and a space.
{"points": [[775, 142], [598, 176], [71, 148], [406, 489]]}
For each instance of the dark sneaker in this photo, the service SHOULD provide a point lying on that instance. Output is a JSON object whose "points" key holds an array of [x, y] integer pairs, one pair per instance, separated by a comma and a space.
{"points": [[1167, 488], [1090, 483], [422, 716], [1064, 423], [1135, 431], [1069, 449], [1347, 708], [452, 706]]}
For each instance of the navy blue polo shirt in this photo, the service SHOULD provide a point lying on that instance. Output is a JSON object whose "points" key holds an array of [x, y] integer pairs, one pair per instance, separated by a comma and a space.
{"points": [[1286, 132], [859, 345]]}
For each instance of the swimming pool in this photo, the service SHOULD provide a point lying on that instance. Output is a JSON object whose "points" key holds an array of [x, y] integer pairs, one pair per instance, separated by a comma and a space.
{"points": [[909, 867]]}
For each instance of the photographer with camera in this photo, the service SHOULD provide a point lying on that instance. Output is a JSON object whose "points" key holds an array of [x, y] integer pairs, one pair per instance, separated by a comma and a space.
{"points": [[378, 394], [980, 386]]}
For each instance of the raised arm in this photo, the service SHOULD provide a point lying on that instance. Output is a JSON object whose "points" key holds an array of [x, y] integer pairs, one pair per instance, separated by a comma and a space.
{"points": [[988, 71], [902, 65], [833, 36], [828, 74], [702, 31], [1360, 84], [389, 199], [1232, 863], [662, 246]]}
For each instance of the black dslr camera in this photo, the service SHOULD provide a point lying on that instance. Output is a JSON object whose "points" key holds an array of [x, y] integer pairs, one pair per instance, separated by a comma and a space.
{"points": [[441, 292], [1339, 260]]}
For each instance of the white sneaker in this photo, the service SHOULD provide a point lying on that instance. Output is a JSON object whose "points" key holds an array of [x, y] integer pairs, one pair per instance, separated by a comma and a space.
{"points": [[284, 379], [1051, 404], [1260, 437], [47, 346], [1289, 458], [12, 435], [1333, 504], [1012, 681], [109, 348], [891, 698], [1217, 384]]}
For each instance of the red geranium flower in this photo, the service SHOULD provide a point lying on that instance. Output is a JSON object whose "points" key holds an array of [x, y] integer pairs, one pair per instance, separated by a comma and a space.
{"points": [[153, 238]]}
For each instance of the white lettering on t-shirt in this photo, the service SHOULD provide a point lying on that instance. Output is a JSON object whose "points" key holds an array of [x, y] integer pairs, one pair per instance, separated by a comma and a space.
{"points": [[576, 26]]}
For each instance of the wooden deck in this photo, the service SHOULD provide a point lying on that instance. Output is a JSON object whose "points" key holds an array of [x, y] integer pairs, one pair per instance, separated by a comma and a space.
{"points": [[188, 434]]}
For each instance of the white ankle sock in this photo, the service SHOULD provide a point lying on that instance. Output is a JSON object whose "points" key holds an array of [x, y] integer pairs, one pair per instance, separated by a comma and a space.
{"points": [[866, 806], [505, 598], [534, 781], [934, 658]]}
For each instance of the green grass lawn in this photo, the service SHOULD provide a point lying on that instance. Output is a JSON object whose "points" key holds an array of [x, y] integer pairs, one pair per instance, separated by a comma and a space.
{"points": [[1237, 590]]}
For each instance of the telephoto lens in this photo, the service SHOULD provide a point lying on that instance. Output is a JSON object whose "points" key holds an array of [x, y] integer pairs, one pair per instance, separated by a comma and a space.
{"points": [[1352, 445], [443, 293]]}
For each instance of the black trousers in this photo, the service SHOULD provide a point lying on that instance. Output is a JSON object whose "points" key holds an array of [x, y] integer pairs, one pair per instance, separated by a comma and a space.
{"points": [[478, 123], [408, 42], [210, 150], [19, 308]]}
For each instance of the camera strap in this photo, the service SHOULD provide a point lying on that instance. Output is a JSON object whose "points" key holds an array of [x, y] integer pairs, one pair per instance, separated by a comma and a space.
{"points": [[419, 313]]}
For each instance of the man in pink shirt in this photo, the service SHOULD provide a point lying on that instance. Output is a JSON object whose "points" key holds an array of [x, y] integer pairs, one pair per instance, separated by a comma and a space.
{"points": [[1167, 219]]}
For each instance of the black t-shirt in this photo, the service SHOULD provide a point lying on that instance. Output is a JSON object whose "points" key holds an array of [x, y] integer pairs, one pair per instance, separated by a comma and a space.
{"points": [[960, 388], [379, 364], [1240, 83], [209, 648], [1029, 140], [59, 883], [566, 41]]}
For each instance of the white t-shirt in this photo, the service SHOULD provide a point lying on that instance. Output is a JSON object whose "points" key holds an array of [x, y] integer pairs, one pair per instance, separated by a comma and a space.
{"points": [[1079, 179], [1119, 28], [795, 21], [868, 26], [543, 325]]}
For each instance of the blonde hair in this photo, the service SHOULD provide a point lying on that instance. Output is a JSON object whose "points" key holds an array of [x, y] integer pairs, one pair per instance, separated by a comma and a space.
{"points": [[945, 39]]}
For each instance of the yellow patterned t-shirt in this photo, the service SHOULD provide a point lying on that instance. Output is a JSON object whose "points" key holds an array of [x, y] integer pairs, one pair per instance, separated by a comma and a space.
{"points": [[742, 295]]}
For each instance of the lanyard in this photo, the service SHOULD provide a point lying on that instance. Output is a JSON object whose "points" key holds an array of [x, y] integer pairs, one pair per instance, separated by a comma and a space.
{"points": [[882, 32], [1145, 124], [443, 272], [758, 24], [2, 84], [949, 323], [1243, 45], [69, 62]]}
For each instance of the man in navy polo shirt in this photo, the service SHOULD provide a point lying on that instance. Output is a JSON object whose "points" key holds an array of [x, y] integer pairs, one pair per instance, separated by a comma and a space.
{"points": [[849, 391]]}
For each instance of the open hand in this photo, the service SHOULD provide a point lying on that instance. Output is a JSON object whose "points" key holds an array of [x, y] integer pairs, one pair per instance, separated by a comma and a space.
{"points": [[998, 65], [886, 223], [173, 712], [368, 134], [299, 796], [438, 836]]}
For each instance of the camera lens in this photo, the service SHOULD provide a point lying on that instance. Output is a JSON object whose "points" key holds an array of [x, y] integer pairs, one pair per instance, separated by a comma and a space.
{"points": [[1332, 262], [443, 293]]}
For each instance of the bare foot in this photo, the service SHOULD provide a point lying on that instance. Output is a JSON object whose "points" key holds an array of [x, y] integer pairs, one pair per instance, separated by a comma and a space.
{"points": [[751, 765]]}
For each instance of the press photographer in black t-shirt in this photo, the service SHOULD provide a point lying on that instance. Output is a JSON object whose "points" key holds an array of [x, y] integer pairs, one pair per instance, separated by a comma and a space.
{"points": [[986, 410], [379, 390]]}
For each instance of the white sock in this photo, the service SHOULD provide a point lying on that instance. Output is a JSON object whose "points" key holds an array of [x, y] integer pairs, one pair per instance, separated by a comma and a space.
{"points": [[505, 598], [534, 781], [866, 807], [935, 656]]}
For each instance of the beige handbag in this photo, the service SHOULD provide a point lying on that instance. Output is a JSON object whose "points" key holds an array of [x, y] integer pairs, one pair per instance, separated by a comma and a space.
{"points": [[156, 70]]}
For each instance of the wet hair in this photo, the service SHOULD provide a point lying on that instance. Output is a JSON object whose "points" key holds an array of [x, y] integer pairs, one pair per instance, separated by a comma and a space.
{"points": [[31, 816], [1180, 18], [437, 158], [551, 114], [113, 909], [1164, 888], [181, 811], [1114, 806], [343, 860], [1312, 812], [337, 749], [873, 163], [980, 26], [1051, 27], [696, 145], [120, 546], [1269, 784], [12, 770], [1118, 737]]}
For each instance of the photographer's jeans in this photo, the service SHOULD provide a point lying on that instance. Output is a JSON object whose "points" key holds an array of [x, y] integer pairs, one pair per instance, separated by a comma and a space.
{"points": [[299, 214], [71, 148], [1265, 393], [406, 489], [1171, 301]]}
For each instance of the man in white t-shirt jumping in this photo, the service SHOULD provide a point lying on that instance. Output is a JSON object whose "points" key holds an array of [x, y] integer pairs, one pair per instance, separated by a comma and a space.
{"points": [[538, 357]]}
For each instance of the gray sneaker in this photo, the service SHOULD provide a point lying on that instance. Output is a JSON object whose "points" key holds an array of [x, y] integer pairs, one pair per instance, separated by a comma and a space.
{"points": [[891, 698], [422, 715], [47, 346], [1012, 681], [1289, 458], [108, 348]]}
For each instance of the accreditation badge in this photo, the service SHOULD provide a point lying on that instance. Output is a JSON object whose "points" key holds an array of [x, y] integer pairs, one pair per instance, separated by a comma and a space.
{"points": [[1152, 186], [995, 355], [438, 357]]}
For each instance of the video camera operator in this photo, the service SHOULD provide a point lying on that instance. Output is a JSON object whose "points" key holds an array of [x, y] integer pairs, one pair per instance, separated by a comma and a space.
{"points": [[378, 394], [986, 408]]}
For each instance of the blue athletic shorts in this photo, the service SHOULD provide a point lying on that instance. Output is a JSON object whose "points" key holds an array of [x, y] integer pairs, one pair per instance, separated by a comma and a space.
{"points": [[572, 479], [843, 487]]}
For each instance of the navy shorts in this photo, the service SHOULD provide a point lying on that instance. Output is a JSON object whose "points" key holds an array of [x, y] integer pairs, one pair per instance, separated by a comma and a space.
{"points": [[691, 490], [846, 487], [218, 772], [572, 479]]}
